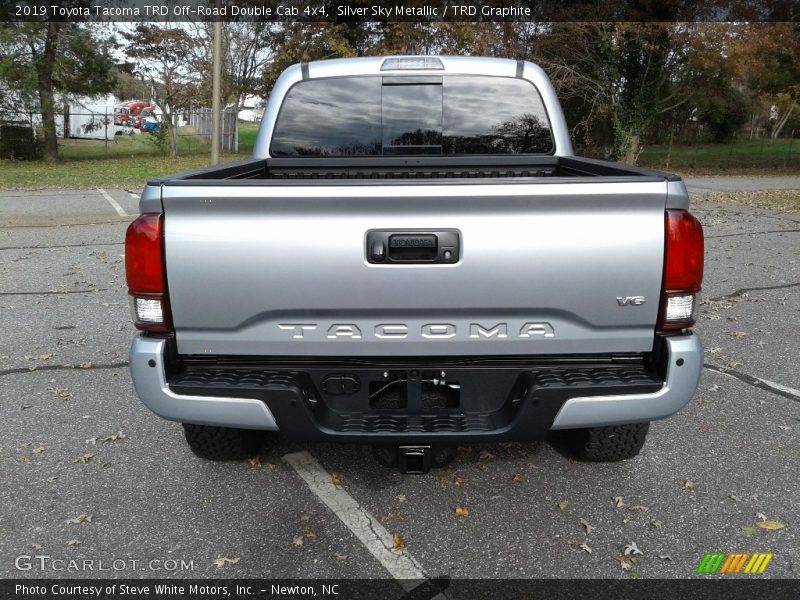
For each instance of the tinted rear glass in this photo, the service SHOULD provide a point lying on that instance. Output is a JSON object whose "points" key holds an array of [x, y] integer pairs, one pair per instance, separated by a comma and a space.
{"points": [[389, 116]]}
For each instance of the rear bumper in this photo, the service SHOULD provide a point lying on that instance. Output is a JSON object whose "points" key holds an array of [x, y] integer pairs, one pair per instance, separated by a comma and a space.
{"points": [[148, 359], [683, 364], [286, 397]]}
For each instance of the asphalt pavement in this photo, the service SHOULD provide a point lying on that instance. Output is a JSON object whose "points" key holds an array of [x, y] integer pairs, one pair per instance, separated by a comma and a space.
{"points": [[89, 474]]}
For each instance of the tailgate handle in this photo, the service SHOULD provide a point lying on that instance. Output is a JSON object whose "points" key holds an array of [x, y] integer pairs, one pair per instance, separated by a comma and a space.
{"points": [[420, 247]]}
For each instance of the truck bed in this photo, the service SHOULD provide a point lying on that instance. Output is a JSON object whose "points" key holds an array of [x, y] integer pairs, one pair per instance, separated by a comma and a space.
{"points": [[474, 169]]}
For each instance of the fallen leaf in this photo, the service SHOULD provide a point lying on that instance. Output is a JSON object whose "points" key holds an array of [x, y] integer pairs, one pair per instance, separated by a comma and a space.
{"points": [[80, 519], [627, 562], [114, 437], [62, 392], [86, 365], [657, 524], [53, 479], [771, 525], [37, 547], [25, 460], [639, 508], [457, 481], [715, 388], [335, 479], [310, 534], [585, 547], [397, 542], [92, 441], [85, 458], [737, 334], [271, 466], [396, 516], [38, 450], [483, 467], [618, 503], [298, 540], [626, 520], [401, 498], [703, 428], [749, 531], [631, 549], [25, 406], [589, 528], [73, 543], [461, 511], [338, 556], [633, 574], [25, 445], [254, 462], [442, 474], [517, 478], [690, 485], [664, 557], [485, 455], [761, 516], [224, 560], [39, 357], [563, 504]]}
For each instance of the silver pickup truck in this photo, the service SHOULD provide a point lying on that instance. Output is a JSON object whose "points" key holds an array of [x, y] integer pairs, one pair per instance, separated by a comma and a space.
{"points": [[414, 259]]}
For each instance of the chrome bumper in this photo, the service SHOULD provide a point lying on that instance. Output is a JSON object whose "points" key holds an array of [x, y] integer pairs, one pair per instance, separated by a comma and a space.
{"points": [[147, 370], [684, 366]]}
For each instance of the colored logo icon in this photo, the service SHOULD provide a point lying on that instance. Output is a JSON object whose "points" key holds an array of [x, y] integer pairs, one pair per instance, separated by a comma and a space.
{"points": [[721, 563]]}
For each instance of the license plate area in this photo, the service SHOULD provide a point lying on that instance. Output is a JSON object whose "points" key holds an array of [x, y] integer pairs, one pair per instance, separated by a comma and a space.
{"points": [[415, 390]]}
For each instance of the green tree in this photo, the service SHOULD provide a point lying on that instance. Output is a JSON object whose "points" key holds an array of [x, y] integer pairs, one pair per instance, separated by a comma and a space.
{"points": [[40, 61], [167, 58]]}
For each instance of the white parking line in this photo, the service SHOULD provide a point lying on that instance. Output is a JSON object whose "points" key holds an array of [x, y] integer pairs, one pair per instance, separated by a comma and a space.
{"points": [[114, 204], [778, 386], [134, 196], [364, 526]]}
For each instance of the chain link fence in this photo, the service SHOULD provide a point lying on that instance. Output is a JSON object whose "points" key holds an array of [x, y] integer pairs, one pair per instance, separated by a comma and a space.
{"points": [[100, 133]]}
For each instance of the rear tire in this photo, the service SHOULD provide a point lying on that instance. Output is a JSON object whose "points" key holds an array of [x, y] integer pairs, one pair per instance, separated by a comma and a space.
{"points": [[608, 444], [223, 443]]}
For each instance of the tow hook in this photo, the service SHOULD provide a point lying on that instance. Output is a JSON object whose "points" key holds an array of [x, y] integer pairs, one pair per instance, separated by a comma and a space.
{"points": [[413, 460]]}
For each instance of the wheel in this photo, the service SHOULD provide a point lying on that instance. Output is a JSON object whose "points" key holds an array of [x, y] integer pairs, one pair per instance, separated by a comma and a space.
{"points": [[223, 443], [608, 444]]}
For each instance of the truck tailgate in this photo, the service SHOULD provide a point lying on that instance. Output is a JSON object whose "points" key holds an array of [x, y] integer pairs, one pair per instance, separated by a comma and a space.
{"points": [[543, 268]]}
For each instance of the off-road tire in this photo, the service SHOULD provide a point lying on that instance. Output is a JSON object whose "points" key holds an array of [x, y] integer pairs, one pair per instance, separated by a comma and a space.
{"points": [[223, 443], [609, 444]]}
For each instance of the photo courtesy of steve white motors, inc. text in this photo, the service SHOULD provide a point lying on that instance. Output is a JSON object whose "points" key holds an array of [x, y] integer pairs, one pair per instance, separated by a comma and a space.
{"points": [[170, 589]]}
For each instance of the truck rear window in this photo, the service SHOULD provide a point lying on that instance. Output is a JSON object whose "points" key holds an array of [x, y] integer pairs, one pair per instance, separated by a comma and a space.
{"points": [[412, 116]]}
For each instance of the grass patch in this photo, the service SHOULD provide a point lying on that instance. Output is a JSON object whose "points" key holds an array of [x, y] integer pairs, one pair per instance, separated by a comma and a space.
{"points": [[746, 156], [129, 146], [783, 200], [127, 161], [90, 173], [247, 137]]}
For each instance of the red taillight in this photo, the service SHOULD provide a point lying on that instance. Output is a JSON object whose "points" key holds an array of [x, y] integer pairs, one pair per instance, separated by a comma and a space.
{"points": [[144, 271], [683, 269]]}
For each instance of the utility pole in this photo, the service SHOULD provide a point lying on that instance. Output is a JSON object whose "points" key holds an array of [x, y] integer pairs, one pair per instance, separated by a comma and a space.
{"points": [[215, 92]]}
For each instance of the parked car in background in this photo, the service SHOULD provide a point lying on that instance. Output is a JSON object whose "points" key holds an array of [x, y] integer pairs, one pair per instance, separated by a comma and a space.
{"points": [[124, 113], [150, 125], [147, 111]]}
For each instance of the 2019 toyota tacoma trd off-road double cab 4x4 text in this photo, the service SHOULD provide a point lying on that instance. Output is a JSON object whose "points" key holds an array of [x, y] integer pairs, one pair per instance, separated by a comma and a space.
{"points": [[414, 259]]}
